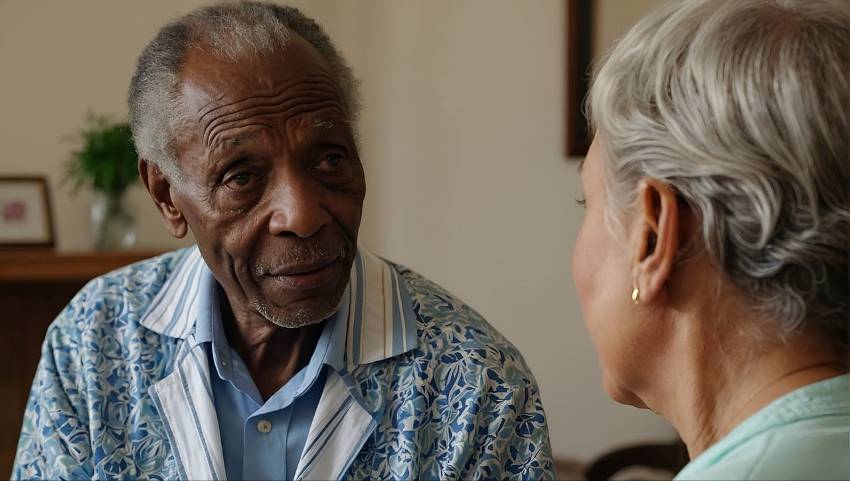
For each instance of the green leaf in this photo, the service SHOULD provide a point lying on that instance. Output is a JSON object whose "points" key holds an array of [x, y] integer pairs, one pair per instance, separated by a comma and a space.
{"points": [[107, 159]]}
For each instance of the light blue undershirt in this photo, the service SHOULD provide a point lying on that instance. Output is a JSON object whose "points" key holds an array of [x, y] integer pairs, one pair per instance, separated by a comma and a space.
{"points": [[255, 435], [802, 435]]}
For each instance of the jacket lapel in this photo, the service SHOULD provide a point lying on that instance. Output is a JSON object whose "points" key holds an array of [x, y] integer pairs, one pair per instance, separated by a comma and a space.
{"points": [[381, 325], [339, 429], [185, 404], [184, 398], [381, 321]]}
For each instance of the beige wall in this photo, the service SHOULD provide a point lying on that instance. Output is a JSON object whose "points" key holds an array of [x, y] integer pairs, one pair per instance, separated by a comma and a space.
{"points": [[615, 17], [57, 61], [463, 142]]}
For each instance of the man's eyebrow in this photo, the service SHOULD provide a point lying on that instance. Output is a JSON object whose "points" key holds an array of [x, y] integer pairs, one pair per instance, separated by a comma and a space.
{"points": [[581, 164], [219, 152], [323, 123], [327, 123], [236, 140]]}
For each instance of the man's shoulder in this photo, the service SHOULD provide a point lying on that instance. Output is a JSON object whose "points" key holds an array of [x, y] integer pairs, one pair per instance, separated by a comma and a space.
{"points": [[453, 335], [143, 277], [443, 316], [464, 392], [118, 298]]}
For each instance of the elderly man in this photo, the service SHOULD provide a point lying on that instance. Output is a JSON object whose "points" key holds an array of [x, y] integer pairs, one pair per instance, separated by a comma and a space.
{"points": [[276, 348]]}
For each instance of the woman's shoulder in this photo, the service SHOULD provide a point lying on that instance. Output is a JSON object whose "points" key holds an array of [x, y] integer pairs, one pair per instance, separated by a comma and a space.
{"points": [[804, 435], [813, 449]]}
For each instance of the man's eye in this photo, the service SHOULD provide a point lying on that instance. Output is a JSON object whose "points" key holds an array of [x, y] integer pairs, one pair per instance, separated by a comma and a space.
{"points": [[240, 180], [582, 202], [330, 163]]}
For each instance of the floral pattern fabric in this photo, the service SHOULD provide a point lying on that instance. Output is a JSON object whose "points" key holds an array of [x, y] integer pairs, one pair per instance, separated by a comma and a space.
{"points": [[461, 405]]}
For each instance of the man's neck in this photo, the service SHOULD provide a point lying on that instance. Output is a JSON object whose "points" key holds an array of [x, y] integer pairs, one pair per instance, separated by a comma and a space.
{"points": [[272, 354], [724, 384]]}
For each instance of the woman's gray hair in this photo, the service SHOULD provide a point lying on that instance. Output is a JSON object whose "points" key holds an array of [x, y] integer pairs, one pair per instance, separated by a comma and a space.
{"points": [[228, 31], [743, 107]]}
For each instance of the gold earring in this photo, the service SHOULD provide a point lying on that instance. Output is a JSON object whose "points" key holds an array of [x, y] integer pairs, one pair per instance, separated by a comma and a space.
{"points": [[636, 295]]}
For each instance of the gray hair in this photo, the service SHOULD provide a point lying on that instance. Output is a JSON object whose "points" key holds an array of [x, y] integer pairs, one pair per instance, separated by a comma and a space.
{"points": [[229, 31], [742, 107]]}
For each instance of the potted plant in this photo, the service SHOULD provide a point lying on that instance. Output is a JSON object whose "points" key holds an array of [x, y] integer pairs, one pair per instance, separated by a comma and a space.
{"points": [[106, 163]]}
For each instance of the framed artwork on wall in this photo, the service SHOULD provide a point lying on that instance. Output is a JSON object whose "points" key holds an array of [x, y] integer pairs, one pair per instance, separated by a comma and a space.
{"points": [[579, 57], [25, 216], [593, 27]]}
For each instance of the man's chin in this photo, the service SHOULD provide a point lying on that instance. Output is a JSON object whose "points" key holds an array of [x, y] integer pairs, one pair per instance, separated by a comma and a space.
{"points": [[298, 314]]}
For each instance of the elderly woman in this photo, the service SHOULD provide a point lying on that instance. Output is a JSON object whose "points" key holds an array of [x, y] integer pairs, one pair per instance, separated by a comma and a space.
{"points": [[712, 264]]}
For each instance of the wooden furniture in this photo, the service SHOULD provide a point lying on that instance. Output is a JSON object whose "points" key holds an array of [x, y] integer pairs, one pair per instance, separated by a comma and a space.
{"points": [[34, 287], [668, 458]]}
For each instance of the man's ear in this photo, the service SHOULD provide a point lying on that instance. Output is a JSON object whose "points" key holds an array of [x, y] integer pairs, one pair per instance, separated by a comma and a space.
{"points": [[657, 243], [159, 189]]}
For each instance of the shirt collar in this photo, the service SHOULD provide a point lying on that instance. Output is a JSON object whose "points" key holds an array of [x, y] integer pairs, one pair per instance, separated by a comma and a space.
{"points": [[208, 326], [376, 311], [330, 348]]}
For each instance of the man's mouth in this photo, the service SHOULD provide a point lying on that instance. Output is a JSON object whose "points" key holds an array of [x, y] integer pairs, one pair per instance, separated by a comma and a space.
{"points": [[304, 275], [304, 268]]}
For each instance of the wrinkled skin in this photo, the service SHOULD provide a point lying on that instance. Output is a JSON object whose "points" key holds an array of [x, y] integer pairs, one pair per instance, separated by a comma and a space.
{"points": [[602, 268], [272, 190]]}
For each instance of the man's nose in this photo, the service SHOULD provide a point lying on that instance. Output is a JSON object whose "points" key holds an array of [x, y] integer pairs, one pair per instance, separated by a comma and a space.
{"points": [[298, 208]]}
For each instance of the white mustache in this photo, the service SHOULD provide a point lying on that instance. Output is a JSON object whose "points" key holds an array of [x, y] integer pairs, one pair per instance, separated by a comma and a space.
{"points": [[299, 256]]}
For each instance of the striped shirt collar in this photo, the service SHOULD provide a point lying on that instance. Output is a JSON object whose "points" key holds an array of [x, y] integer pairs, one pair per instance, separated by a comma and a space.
{"points": [[209, 328], [380, 324]]}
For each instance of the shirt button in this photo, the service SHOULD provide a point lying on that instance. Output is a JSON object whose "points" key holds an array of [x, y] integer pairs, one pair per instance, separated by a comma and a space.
{"points": [[264, 426]]}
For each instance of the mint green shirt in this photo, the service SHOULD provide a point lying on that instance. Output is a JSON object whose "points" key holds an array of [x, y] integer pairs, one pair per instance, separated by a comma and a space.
{"points": [[802, 435]]}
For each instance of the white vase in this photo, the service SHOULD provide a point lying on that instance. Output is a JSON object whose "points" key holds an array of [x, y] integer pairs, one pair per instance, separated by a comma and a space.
{"points": [[113, 227]]}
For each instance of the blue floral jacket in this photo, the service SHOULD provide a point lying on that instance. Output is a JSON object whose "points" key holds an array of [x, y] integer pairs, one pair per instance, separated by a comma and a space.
{"points": [[430, 390]]}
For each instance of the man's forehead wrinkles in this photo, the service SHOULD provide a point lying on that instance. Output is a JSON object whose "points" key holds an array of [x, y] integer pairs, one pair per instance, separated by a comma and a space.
{"points": [[237, 136], [287, 109], [289, 88], [210, 105], [247, 105], [238, 133]]}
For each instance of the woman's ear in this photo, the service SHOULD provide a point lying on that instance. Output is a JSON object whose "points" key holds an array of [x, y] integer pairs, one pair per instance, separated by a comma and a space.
{"points": [[159, 189], [657, 242]]}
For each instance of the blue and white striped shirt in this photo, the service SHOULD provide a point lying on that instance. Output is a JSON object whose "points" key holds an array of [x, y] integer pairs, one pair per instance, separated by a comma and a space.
{"points": [[254, 432], [426, 389]]}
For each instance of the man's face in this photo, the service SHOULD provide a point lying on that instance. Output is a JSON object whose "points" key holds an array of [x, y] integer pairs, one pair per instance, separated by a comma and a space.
{"points": [[273, 187]]}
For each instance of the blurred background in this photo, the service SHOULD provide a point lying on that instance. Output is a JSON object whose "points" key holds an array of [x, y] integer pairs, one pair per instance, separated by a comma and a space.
{"points": [[463, 140]]}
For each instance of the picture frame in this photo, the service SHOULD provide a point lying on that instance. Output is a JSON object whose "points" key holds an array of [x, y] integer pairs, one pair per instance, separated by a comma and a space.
{"points": [[593, 27], [26, 218], [579, 51]]}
